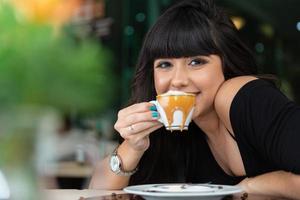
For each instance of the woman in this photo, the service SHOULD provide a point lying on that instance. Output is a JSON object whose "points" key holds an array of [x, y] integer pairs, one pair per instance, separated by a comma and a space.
{"points": [[244, 130]]}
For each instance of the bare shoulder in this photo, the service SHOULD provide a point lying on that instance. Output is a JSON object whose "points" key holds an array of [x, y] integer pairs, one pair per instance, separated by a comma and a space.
{"points": [[230, 87], [226, 94]]}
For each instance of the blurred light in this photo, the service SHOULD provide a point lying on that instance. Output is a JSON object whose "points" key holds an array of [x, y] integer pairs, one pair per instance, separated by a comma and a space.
{"points": [[129, 30], [267, 30], [4, 189], [259, 47], [298, 26], [47, 11], [140, 17], [239, 22]]}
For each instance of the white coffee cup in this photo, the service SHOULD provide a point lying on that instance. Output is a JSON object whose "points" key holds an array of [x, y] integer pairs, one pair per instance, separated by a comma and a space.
{"points": [[175, 109]]}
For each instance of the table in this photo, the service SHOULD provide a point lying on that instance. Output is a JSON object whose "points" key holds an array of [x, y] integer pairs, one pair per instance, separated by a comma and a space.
{"points": [[59, 194], [71, 194]]}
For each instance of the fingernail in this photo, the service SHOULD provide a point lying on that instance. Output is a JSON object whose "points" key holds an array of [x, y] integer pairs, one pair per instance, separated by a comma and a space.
{"points": [[153, 108], [154, 114]]}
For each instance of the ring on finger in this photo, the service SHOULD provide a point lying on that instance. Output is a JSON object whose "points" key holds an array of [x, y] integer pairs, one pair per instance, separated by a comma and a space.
{"points": [[130, 128]]}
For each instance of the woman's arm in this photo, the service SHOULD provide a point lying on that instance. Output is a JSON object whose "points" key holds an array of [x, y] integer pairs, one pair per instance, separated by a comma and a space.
{"points": [[282, 150], [278, 183], [135, 123], [104, 178]]}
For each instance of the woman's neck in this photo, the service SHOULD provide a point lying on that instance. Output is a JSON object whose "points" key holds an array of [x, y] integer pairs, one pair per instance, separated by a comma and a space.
{"points": [[209, 124]]}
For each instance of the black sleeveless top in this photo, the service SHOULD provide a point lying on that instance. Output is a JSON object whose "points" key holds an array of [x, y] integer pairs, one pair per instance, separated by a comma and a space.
{"points": [[267, 130]]}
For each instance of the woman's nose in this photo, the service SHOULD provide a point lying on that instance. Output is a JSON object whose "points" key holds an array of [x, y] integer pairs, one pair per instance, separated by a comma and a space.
{"points": [[180, 78]]}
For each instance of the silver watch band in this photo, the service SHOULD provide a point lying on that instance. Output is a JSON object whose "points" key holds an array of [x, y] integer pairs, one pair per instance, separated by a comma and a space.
{"points": [[120, 171]]}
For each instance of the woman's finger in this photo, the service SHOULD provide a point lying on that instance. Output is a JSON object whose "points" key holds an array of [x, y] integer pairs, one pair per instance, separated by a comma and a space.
{"points": [[141, 117], [136, 108], [137, 128], [136, 139], [126, 122]]}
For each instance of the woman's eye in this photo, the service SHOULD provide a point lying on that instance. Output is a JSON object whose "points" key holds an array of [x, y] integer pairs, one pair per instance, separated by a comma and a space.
{"points": [[163, 65], [198, 61]]}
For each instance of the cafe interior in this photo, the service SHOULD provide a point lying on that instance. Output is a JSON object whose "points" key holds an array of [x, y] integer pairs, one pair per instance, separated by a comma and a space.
{"points": [[66, 69]]}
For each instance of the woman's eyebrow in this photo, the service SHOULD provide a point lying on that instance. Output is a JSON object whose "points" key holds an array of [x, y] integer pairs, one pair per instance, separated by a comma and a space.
{"points": [[162, 60], [199, 56], [159, 59]]}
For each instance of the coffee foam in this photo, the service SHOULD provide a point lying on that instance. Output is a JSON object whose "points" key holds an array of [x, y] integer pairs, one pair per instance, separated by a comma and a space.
{"points": [[175, 92]]}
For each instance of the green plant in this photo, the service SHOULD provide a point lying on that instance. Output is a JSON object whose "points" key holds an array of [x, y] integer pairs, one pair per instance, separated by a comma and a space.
{"points": [[43, 68]]}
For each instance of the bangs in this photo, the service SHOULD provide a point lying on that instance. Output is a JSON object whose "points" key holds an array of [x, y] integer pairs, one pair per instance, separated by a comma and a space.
{"points": [[183, 34]]}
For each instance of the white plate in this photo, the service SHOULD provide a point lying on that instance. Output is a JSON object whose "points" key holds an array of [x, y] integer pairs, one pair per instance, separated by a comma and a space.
{"points": [[182, 191]]}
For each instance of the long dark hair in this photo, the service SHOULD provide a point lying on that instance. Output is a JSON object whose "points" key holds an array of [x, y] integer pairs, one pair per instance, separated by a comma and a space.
{"points": [[188, 28]]}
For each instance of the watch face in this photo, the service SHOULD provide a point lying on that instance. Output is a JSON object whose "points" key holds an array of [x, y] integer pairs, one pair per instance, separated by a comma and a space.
{"points": [[115, 164]]}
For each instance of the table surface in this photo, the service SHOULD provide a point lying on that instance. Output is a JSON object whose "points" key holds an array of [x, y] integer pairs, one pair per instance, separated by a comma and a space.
{"points": [[59, 194], [70, 194]]}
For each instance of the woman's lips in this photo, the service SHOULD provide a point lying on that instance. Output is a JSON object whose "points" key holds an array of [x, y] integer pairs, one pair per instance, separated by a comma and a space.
{"points": [[195, 93]]}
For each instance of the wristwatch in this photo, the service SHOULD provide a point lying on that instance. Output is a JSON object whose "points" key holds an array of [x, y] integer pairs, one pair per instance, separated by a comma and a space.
{"points": [[116, 167]]}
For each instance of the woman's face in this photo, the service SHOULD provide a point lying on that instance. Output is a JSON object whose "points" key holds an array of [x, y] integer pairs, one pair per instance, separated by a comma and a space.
{"points": [[200, 75]]}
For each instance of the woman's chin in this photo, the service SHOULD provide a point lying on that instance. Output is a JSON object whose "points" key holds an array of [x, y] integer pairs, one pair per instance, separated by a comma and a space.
{"points": [[195, 114]]}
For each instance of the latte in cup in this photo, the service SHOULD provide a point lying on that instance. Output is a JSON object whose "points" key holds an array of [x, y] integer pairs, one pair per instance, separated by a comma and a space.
{"points": [[175, 109]]}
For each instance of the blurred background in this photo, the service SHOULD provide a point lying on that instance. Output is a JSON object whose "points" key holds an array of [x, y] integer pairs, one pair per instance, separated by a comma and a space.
{"points": [[66, 68]]}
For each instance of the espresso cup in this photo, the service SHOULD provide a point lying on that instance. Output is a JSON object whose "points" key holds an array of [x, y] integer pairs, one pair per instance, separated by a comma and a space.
{"points": [[176, 109]]}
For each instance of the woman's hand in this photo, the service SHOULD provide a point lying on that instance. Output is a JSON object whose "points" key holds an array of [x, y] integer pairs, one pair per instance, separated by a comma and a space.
{"points": [[136, 122], [277, 183]]}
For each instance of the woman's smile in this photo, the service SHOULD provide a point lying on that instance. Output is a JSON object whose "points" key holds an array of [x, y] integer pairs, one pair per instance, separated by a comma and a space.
{"points": [[200, 75]]}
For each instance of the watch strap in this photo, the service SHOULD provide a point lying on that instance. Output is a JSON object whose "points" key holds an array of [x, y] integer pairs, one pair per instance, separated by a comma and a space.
{"points": [[122, 172]]}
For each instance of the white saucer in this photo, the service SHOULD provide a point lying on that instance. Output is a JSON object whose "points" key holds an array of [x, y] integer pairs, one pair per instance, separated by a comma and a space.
{"points": [[182, 191]]}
